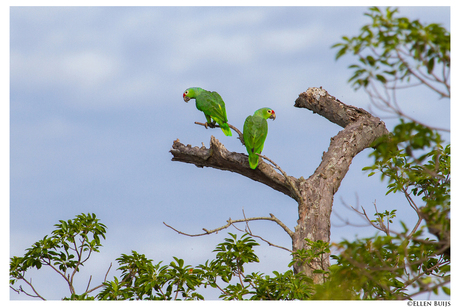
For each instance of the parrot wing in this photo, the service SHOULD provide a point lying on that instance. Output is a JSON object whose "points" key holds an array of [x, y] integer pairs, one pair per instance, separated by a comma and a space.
{"points": [[255, 132], [213, 105]]}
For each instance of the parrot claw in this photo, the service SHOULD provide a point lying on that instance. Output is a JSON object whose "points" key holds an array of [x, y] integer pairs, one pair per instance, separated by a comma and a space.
{"points": [[210, 125]]}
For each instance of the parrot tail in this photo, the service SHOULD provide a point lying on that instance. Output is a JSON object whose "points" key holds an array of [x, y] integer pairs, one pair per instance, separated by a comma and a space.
{"points": [[253, 161], [225, 129]]}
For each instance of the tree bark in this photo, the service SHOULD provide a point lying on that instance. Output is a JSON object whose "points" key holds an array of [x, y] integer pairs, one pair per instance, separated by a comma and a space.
{"points": [[314, 195]]}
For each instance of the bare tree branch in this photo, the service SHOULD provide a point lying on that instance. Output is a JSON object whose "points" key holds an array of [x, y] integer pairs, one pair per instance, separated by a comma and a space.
{"points": [[240, 135], [25, 292], [230, 222], [217, 156], [101, 285], [421, 78], [289, 180], [89, 282], [346, 221], [247, 230]]}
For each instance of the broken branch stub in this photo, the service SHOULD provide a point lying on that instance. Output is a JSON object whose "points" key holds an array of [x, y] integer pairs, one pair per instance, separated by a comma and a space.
{"points": [[319, 101]]}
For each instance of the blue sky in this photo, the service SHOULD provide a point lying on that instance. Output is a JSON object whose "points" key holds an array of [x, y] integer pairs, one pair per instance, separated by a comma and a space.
{"points": [[96, 102]]}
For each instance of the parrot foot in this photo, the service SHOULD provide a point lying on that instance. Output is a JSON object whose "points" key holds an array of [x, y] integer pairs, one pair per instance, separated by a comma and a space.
{"points": [[210, 125]]}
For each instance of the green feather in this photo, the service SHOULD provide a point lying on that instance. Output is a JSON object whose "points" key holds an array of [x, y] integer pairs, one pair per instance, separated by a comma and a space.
{"points": [[211, 104], [255, 132]]}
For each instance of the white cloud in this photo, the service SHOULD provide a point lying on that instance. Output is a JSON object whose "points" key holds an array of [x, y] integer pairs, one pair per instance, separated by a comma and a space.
{"points": [[290, 40], [87, 68], [236, 17]]}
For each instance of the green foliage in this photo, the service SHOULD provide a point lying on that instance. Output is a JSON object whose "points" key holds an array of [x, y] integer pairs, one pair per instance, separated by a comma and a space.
{"points": [[392, 49], [386, 216], [282, 286], [418, 166], [412, 159], [234, 253], [386, 267], [414, 162], [381, 267], [401, 158], [315, 250], [66, 250], [231, 256], [142, 279]]}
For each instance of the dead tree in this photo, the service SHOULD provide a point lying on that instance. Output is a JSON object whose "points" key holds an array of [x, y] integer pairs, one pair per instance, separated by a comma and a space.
{"points": [[314, 195]]}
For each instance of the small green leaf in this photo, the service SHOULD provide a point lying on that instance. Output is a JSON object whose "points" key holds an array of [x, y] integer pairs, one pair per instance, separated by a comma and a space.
{"points": [[446, 290]]}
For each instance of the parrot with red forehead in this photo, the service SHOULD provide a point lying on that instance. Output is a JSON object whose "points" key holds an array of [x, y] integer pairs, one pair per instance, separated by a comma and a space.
{"points": [[212, 105], [255, 132]]}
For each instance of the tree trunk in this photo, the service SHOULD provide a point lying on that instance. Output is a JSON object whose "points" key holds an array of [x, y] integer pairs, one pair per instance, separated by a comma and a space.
{"points": [[314, 195]]}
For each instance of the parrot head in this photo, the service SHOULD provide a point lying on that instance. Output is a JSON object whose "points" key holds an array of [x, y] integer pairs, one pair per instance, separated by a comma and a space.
{"points": [[189, 94], [266, 113], [272, 114]]}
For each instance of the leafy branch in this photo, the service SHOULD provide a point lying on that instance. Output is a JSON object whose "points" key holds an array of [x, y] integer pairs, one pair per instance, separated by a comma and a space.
{"points": [[65, 251], [395, 53]]}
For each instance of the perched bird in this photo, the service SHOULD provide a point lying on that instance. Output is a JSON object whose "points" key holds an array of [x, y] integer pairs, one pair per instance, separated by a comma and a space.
{"points": [[212, 105], [255, 132]]}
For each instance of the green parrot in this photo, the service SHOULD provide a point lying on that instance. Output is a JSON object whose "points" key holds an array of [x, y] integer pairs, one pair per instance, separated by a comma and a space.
{"points": [[255, 132], [211, 104]]}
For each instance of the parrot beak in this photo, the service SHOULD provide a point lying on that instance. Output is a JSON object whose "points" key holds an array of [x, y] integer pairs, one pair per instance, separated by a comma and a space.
{"points": [[186, 98], [273, 116]]}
